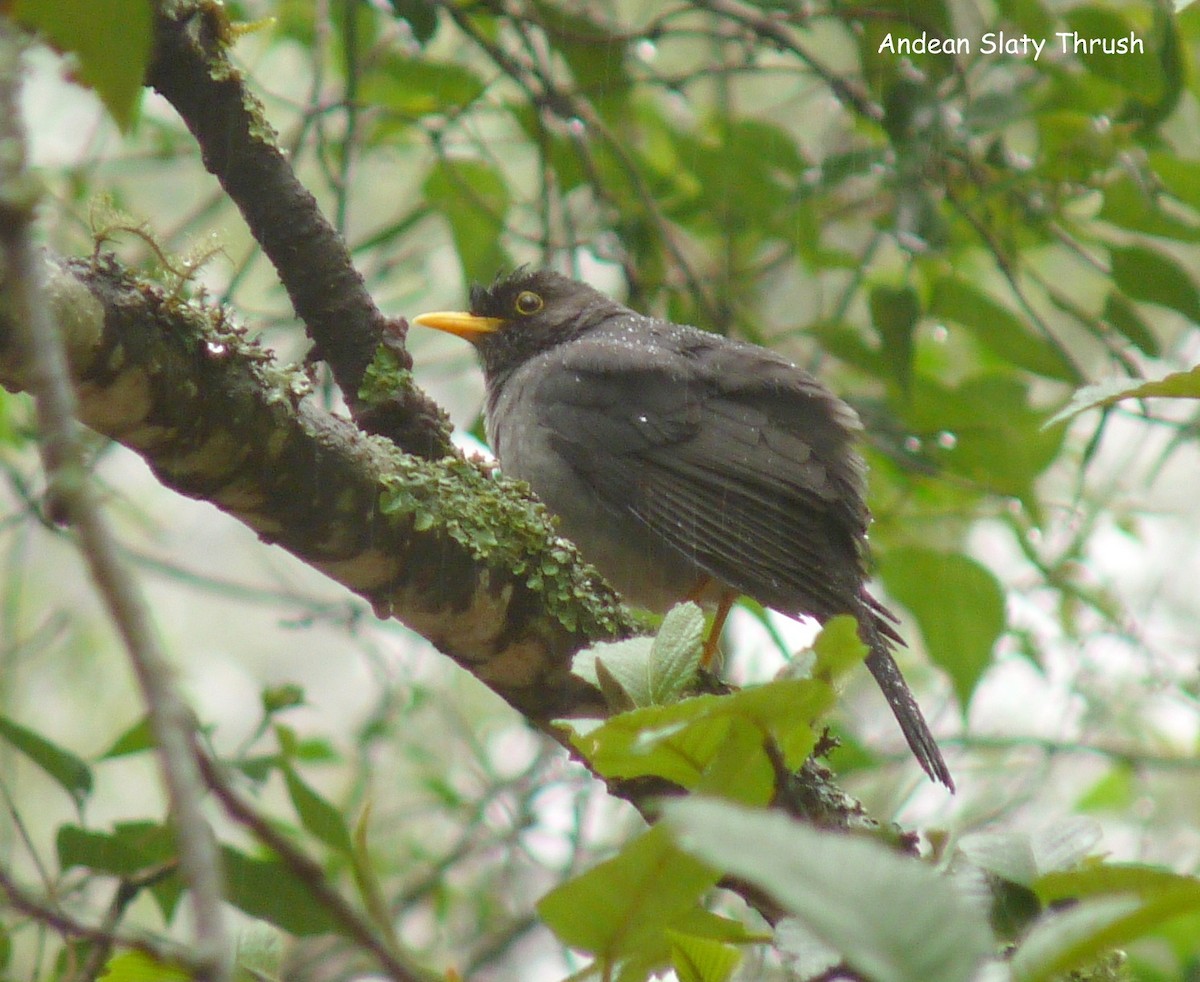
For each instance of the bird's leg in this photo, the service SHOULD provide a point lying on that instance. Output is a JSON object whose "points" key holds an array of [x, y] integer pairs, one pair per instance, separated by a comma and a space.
{"points": [[724, 605]]}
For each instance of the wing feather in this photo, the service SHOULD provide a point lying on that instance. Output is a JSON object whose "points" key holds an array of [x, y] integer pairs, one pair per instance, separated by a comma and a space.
{"points": [[735, 459]]}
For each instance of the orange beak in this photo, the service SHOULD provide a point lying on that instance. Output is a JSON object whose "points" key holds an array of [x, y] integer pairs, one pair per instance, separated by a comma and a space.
{"points": [[460, 323]]}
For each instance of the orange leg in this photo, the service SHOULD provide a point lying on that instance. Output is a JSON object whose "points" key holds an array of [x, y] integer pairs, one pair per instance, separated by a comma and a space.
{"points": [[724, 605]]}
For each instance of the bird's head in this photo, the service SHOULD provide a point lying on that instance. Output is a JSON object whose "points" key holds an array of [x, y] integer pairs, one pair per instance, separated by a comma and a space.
{"points": [[522, 314]]}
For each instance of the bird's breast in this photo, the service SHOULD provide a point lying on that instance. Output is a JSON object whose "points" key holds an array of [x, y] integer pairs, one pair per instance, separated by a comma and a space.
{"points": [[645, 570]]}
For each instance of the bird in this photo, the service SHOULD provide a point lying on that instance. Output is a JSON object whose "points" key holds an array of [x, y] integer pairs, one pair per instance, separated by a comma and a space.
{"points": [[682, 463]]}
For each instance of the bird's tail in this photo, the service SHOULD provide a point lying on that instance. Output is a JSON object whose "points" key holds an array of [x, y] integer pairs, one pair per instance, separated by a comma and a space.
{"points": [[880, 636]]}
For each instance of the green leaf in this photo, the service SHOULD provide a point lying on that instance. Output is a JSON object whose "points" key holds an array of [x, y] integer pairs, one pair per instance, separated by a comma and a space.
{"points": [[1022, 858], [137, 966], [316, 750], [288, 741], [135, 740], [1180, 176], [421, 16], [849, 345], [838, 648], [269, 890], [675, 742], [1115, 904], [675, 654], [111, 38], [737, 182], [366, 873], [845, 890], [1128, 206], [1116, 791], [1154, 277], [628, 903], [958, 605], [277, 698], [998, 329], [1116, 878], [999, 440], [594, 53], [1124, 318], [740, 770], [64, 767], [679, 742], [259, 767], [895, 312], [1139, 72], [701, 959], [1177, 385], [130, 848], [413, 87], [317, 815], [641, 672], [260, 953], [1074, 146], [616, 696], [474, 199], [624, 664], [1071, 938]]}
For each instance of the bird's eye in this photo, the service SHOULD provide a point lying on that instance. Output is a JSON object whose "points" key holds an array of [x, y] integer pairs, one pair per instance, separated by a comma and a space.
{"points": [[528, 302]]}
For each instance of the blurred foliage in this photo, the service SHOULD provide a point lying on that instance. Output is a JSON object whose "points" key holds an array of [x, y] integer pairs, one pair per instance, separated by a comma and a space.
{"points": [[992, 256]]}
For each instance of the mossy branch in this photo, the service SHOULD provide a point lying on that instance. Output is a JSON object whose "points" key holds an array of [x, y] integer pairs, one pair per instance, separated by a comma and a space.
{"points": [[459, 554]]}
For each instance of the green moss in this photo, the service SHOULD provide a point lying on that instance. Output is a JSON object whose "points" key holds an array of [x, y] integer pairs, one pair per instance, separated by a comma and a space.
{"points": [[492, 519], [1112, 967], [384, 377]]}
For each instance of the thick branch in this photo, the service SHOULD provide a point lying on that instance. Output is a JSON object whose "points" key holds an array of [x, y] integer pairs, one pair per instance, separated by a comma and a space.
{"points": [[192, 71], [457, 554]]}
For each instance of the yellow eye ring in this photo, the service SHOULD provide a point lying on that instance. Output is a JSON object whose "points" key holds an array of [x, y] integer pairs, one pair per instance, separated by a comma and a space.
{"points": [[528, 302]]}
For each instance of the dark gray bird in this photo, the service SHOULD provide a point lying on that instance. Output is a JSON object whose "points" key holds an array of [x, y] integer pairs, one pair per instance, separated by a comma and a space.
{"points": [[682, 463]]}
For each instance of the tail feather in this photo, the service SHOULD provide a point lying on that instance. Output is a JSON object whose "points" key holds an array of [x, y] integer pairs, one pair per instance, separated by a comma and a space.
{"points": [[879, 636]]}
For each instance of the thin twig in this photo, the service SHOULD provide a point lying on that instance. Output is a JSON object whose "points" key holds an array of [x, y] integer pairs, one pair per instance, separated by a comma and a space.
{"points": [[127, 891], [165, 953], [308, 872], [69, 489], [769, 29]]}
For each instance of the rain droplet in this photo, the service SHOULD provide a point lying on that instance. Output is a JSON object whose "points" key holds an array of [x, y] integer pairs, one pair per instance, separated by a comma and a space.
{"points": [[947, 440], [576, 126], [912, 444], [645, 49], [940, 333]]}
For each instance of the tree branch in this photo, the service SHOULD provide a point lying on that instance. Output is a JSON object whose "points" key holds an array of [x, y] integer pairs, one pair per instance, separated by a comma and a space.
{"points": [[192, 71], [309, 872], [39, 343], [44, 912], [461, 556]]}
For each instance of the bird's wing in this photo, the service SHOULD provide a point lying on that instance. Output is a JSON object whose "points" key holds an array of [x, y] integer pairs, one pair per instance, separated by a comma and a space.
{"points": [[732, 457]]}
